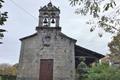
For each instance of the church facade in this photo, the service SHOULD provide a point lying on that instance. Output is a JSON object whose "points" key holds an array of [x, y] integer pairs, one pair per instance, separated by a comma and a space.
{"points": [[49, 54]]}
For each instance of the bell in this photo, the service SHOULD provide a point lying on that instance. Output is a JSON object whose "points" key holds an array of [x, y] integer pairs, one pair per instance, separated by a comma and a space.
{"points": [[53, 21], [45, 21]]}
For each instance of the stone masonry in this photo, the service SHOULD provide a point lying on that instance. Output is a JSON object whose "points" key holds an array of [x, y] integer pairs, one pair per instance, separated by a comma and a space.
{"points": [[47, 43]]}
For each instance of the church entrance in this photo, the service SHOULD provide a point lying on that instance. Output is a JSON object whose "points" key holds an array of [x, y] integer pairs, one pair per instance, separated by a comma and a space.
{"points": [[46, 69]]}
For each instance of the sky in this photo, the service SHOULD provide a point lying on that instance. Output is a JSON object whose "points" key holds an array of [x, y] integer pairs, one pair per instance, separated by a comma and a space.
{"points": [[23, 19]]}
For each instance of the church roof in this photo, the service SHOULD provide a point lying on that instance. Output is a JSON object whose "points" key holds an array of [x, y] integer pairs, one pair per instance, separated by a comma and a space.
{"points": [[80, 51], [90, 56], [49, 7]]}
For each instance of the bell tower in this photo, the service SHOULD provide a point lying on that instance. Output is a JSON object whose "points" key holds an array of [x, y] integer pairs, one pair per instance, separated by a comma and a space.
{"points": [[49, 16]]}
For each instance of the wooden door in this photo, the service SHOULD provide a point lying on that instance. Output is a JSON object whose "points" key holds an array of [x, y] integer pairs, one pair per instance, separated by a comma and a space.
{"points": [[46, 69]]}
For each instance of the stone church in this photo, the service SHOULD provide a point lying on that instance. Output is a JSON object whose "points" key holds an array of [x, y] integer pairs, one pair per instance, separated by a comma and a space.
{"points": [[49, 54]]}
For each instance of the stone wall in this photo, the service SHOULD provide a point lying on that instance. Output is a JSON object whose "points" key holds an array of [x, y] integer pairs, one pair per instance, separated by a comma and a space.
{"points": [[47, 44]]}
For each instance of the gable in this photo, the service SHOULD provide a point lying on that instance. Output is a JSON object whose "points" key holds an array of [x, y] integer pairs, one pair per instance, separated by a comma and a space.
{"points": [[28, 36]]}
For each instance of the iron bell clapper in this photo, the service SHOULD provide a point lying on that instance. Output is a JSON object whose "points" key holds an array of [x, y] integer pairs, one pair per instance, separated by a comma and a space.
{"points": [[53, 21], [45, 21]]}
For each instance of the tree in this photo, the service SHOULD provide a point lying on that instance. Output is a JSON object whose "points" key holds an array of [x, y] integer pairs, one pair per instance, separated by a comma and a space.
{"points": [[114, 47], [6, 69], [103, 72], [3, 19], [82, 69], [102, 15]]}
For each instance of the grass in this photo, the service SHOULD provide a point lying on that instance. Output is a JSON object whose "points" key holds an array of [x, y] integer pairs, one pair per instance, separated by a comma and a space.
{"points": [[0, 78]]}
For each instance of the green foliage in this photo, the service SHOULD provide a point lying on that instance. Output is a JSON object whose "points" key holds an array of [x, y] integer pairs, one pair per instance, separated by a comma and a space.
{"points": [[100, 10], [89, 7], [92, 6], [0, 78], [103, 72], [5, 77], [1, 1], [6, 69], [97, 72], [82, 70], [3, 19], [114, 47]]}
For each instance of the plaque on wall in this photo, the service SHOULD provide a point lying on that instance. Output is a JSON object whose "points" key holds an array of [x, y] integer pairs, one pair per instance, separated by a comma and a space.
{"points": [[46, 40]]}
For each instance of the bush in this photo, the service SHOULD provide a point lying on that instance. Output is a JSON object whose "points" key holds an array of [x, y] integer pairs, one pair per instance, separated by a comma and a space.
{"points": [[103, 72], [5, 77]]}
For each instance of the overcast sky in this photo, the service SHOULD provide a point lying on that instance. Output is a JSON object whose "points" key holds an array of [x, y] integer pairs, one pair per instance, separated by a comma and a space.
{"points": [[21, 23]]}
